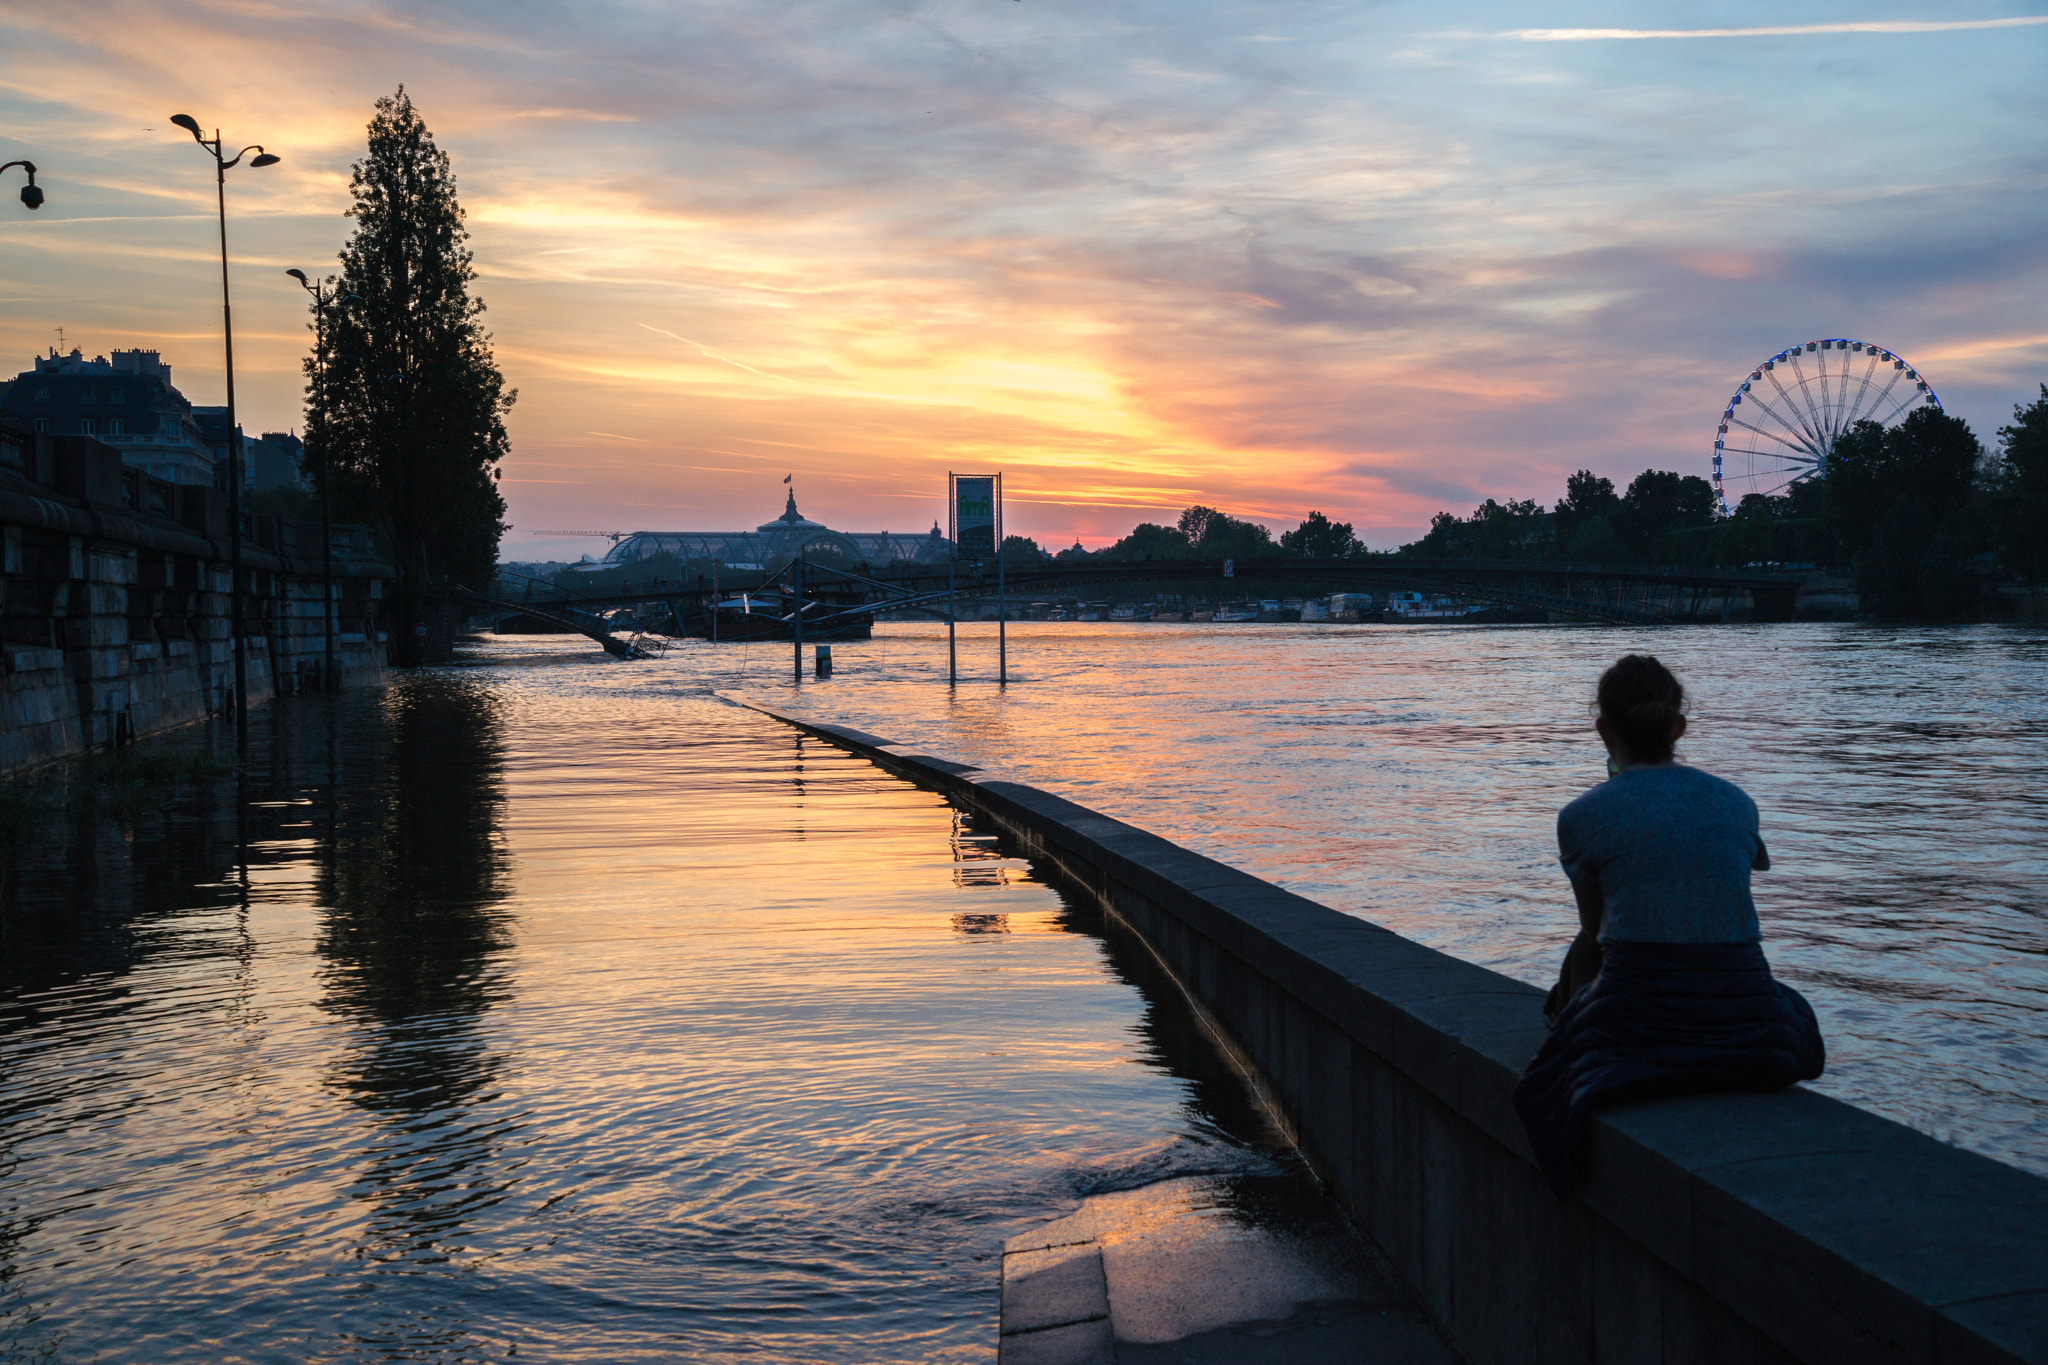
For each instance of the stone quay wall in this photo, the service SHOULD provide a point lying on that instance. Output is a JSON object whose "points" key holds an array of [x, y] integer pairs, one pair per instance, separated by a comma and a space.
{"points": [[1746, 1229], [114, 601]]}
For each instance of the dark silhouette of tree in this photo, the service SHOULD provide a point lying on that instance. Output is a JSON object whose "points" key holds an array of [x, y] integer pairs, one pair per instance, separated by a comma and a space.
{"points": [[411, 406], [1582, 524], [1439, 541], [1495, 530], [1899, 500], [1587, 494], [1194, 523], [1202, 533], [1227, 537], [1149, 540], [2022, 514], [1320, 538], [1658, 503], [1915, 510], [1022, 550]]}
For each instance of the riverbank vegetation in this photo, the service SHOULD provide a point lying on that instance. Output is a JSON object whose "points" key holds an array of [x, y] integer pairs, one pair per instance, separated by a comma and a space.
{"points": [[1205, 533], [1925, 518]]}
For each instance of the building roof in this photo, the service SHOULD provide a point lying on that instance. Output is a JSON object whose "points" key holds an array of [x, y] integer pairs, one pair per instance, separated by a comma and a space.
{"points": [[777, 540], [127, 402], [790, 520]]}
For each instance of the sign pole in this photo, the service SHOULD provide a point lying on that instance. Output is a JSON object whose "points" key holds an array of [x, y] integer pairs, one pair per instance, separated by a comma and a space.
{"points": [[974, 507], [1002, 598], [797, 662], [952, 554]]}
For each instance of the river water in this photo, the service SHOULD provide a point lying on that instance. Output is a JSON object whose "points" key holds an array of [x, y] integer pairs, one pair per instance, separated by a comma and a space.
{"points": [[548, 1009], [1412, 775], [551, 1003]]}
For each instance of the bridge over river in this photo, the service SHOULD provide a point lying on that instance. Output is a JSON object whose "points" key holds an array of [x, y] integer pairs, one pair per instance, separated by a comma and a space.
{"points": [[1624, 594]]}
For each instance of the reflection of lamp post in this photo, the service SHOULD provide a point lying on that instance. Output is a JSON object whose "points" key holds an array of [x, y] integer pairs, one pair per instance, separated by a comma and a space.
{"points": [[220, 175], [321, 298], [31, 196]]}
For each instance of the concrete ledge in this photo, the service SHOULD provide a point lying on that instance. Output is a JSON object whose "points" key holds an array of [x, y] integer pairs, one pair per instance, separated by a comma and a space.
{"points": [[1750, 1228], [1053, 1287]]}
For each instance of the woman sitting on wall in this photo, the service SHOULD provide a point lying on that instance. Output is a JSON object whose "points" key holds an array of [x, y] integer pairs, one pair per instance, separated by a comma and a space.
{"points": [[1666, 990]]}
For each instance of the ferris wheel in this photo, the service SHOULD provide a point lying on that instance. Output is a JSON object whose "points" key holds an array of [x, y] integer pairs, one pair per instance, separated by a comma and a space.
{"points": [[1782, 423]]}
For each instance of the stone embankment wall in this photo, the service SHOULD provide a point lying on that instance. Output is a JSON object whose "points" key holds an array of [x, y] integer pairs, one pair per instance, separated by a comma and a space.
{"points": [[114, 601], [1710, 1230]]}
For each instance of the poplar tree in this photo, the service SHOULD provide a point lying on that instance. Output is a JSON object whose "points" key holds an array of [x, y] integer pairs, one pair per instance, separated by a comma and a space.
{"points": [[409, 413]]}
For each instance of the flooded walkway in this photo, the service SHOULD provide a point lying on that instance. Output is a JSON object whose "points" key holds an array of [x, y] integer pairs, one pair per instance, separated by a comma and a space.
{"points": [[502, 1017]]}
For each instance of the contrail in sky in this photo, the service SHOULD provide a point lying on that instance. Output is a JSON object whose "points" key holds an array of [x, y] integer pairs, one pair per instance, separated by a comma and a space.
{"points": [[1588, 35], [713, 355]]}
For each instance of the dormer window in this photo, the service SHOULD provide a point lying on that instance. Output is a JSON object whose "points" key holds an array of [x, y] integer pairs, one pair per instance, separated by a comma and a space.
{"points": [[118, 396], [88, 396], [42, 395]]}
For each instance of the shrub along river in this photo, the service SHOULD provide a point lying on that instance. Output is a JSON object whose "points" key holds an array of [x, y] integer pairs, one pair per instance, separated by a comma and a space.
{"points": [[549, 1003]]}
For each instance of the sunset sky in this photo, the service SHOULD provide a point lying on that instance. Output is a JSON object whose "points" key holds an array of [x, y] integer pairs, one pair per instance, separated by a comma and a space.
{"points": [[1376, 260]]}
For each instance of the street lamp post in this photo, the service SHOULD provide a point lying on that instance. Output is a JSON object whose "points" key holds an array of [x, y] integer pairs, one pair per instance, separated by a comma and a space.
{"points": [[31, 194], [321, 298], [220, 176]]}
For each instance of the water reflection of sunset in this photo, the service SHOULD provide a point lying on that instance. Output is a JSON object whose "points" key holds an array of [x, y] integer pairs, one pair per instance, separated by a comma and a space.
{"points": [[1412, 775], [661, 1008]]}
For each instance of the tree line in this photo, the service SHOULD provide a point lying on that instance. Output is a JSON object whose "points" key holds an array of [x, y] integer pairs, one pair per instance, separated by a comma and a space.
{"points": [[1205, 533], [1923, 515]]}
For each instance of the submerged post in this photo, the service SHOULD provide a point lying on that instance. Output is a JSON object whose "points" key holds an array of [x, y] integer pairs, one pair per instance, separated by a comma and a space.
{"points": [[952, 612], [714, 601], [796, 667], [1002, 623]]}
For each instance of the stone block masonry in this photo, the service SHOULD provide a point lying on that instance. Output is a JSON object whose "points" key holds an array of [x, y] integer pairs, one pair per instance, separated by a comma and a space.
{"points": [[1710, 1229], [114, 601]]}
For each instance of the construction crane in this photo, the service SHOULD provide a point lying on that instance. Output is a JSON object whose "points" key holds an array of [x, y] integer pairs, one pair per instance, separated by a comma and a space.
{"points": [[613, 536]]}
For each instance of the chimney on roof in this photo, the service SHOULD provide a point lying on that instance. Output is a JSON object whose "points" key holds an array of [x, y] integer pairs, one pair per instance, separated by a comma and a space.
{"points": [[142, 362]]}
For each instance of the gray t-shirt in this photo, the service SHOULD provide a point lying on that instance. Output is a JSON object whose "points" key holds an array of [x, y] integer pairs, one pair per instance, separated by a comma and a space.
{"points": [[1671, 849]]}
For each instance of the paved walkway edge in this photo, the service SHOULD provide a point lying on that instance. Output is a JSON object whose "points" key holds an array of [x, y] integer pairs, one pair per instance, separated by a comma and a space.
{"points": [[1757, 1229]]}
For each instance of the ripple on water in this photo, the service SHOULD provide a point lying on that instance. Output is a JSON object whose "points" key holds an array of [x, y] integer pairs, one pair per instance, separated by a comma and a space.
{"points": [[518, 1008], [1412, 775]]}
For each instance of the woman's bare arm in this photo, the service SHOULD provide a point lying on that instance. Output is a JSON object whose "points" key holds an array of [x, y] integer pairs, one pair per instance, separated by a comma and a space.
{"points": [[1591, 906]]}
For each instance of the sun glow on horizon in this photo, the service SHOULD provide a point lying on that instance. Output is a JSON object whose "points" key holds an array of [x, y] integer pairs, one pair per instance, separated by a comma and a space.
{"points": [[1351, 263]]}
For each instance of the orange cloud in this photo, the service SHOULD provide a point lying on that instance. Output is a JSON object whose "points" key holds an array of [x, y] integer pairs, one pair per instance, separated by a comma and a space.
{"points": [[1135, 261]]}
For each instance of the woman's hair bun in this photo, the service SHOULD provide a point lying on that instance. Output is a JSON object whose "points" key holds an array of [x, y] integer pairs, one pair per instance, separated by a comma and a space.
{"points": [[1644, 705]]}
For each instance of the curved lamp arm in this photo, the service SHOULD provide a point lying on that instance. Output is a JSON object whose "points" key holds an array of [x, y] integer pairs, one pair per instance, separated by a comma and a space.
{"points": [[31, 193], [213, 144]]}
